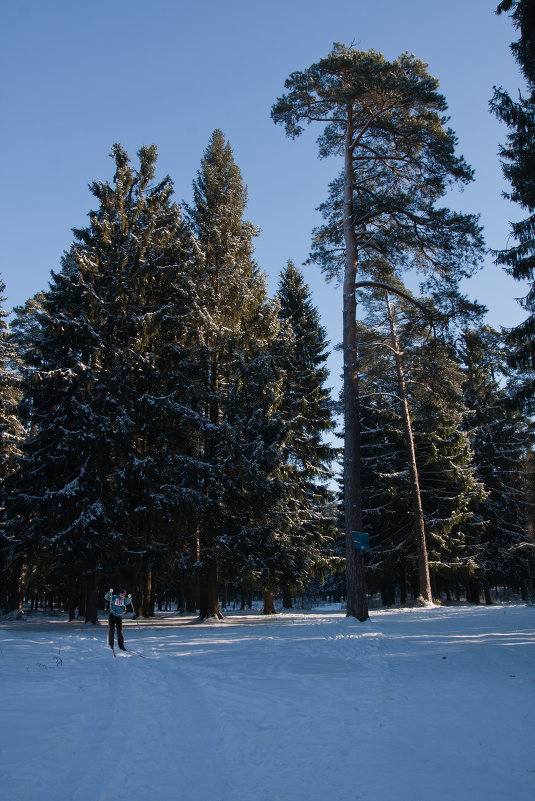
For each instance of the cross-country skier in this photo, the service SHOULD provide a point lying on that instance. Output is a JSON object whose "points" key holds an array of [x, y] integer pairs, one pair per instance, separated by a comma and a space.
{"points": [[118, 604]]}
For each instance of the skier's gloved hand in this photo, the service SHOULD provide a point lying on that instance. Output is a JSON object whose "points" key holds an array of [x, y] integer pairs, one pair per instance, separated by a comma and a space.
{"points": [[111, 589]]}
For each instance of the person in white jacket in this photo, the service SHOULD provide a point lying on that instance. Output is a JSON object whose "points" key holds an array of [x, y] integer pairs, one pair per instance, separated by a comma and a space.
{"points": [[118, 604]]}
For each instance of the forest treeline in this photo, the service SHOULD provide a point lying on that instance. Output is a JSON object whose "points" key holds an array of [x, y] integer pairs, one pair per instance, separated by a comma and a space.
{"points": [[166, 417], [168, 426]]}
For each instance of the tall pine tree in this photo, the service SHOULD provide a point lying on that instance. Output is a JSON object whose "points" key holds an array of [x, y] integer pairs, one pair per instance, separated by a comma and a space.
{"points": [[385, 121], [433, 474]]}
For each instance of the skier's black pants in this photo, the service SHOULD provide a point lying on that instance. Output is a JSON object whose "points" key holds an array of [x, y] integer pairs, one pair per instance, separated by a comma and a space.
{"points": [[115, 621]]}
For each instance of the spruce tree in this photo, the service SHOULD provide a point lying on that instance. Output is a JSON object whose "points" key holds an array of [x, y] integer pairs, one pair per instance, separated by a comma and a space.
{"points": [[518, 164], [11, 427], [12, 436], [307, 401], [239, 433], [307, 409], [87, 482], [502, 439]]}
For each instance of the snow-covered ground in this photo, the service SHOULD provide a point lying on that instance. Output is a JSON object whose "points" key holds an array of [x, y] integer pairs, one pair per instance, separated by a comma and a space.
{"points": [[412, 705]]}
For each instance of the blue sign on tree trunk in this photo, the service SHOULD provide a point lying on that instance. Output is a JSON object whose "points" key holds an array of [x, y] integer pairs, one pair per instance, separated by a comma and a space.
{"points": [[361, 541]]}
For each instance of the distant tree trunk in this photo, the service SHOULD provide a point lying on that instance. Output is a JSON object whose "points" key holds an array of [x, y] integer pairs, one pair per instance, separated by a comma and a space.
{"points": [[269, 603], [246, 600], [82, 606], [488, 599], [192, 595], [148, 590], [402, 586], [424, 579], [21, 589], [473, 592], [91, 614], [71, 599], [139, 592], [209, 596], [388, 590], [137, 602], [529, 580], [224, 594], [12, 594], [148, 596], [193, 586], [286, 598]]}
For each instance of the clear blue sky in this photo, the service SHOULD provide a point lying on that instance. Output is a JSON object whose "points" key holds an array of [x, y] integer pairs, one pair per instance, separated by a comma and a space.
{"points": [[78, 76]]}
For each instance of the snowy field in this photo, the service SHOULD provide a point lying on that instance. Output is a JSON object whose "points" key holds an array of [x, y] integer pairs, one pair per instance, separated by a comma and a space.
{"points": [[412, 705]]}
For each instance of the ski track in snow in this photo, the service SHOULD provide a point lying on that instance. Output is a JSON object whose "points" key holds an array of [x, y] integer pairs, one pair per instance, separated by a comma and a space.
{"points": [[296, 707], [125, 729]]}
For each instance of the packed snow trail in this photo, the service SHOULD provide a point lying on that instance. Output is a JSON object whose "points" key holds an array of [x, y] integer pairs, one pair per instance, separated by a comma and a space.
{"points": [[296, 707], [127, 729]]}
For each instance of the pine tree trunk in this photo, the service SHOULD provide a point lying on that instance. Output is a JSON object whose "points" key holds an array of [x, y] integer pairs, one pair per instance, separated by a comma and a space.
{"points": [[269, 603], [424, 578], [357, 604]]}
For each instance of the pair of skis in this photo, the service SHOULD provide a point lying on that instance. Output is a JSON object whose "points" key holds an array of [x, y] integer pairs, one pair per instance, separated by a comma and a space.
{"points": [[128, 651]]}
